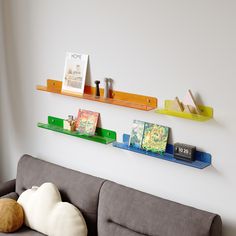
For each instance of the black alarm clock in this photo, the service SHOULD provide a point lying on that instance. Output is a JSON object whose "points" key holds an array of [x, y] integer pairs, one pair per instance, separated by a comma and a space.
{"points": [[184, 152]]}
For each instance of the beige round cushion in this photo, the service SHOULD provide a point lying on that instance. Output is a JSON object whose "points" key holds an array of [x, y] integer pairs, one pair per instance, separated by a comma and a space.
{"points": [[11, 215]]}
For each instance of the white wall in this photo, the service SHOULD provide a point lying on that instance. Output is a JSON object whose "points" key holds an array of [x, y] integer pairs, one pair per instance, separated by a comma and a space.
{"points": [[157, 48], [8, 144]]}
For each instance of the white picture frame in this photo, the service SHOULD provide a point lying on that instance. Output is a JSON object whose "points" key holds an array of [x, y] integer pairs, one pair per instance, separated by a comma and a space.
{"points": [[75, 72]]}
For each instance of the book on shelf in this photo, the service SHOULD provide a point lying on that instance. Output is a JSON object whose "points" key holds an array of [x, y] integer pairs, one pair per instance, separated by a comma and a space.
{"points": [[87, 122], [155, 137], [136, 135], [148, 136], [75, 72]]}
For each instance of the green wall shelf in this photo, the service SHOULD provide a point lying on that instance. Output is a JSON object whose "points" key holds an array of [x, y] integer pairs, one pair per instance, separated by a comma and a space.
{"points": [[101, 135], [206, 112]]}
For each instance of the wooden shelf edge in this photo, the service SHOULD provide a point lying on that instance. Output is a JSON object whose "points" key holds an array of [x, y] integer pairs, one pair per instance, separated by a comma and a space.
{"points": [[202, 161], [129, 100]]}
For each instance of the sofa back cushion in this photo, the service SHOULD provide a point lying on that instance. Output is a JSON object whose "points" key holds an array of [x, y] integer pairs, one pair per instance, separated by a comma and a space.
{"points": [[80, 189], [127, 212]]}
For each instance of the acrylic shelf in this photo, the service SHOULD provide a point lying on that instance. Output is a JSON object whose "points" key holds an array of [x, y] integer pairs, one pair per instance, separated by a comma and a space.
{"points": [[206, 112], [202, 159], [101, 135], [130, 100]]}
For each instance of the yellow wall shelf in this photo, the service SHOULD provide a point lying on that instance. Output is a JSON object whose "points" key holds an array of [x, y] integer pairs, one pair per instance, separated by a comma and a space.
{"points": [[135, 101], [206, 112]]}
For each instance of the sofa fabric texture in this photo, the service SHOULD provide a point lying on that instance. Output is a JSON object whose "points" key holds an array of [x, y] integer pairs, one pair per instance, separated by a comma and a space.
{"points": [[111, 209], [124, 211], [12, 195], [7, 187], [79, 189], [24, 231]]}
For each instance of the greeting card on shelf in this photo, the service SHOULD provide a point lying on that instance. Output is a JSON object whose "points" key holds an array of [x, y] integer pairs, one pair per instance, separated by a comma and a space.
{"points": [[155, 138], [87, 122], [148, 136], [136, 136], [75, 72]]}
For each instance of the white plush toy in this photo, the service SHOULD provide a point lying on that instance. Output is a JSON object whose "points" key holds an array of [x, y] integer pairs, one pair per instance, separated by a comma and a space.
{"points": [[45, 212]]}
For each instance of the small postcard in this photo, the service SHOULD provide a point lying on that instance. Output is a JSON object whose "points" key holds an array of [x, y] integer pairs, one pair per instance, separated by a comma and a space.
{"points": [[155, 137], [75, 72], [136, 135], [87, 122]]}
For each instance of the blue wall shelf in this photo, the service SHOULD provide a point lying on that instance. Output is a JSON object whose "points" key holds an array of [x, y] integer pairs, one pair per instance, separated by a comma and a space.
{"points": [[202, 159]]}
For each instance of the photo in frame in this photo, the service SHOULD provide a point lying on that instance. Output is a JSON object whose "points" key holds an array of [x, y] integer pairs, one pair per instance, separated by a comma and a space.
{"points": [[75, 72]]}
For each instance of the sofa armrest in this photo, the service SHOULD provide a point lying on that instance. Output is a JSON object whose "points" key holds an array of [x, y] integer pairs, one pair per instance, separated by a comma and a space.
{"points": [[7, 187]]}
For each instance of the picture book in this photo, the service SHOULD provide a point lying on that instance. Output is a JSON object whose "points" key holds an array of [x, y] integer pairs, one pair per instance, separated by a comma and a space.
{"points": [[136, 135], [87, 122], [75, 72], [155, 137]]}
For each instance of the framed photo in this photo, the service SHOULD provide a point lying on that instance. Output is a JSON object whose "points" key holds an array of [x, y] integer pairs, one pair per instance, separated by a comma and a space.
{"points": [[75, 72]]}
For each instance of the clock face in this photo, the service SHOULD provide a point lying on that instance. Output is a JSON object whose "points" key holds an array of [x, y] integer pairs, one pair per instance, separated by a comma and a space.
{"points": [[184, 150]]}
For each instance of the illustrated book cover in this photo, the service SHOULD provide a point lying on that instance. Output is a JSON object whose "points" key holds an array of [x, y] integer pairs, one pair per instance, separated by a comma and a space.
{"points": [[87, 122], [155, 137], [136, 135], [75, 72]]}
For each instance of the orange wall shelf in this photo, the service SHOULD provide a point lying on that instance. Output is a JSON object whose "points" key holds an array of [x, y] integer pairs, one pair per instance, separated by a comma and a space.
{"points": [[124, 99]]}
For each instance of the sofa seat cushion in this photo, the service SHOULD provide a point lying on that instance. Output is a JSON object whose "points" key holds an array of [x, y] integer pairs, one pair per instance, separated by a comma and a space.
{"points": [[23, 231], [12, 195], [124, 211]]}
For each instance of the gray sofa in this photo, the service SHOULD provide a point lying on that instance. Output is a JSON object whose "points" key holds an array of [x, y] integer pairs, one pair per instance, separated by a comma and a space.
{"points": [[111, 209]]}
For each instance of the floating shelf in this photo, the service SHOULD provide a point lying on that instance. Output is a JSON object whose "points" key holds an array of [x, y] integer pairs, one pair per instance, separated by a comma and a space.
{"points": [[136, 101], [202, 159], [101, 135], [206, 112]]}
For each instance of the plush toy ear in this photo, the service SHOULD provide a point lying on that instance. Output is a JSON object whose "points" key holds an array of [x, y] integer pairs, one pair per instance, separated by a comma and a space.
{"points": [[11, 215]]}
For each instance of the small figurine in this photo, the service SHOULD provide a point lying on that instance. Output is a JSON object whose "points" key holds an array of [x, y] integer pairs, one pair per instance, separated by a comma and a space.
{"points": [[97, 82], [106, 88], [69, 124], [110, 87]]}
